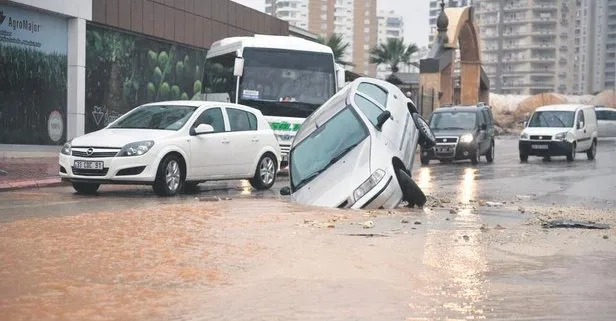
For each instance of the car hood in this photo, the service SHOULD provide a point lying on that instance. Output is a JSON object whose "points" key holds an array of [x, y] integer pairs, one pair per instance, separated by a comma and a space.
{"points": [[451, 133], [545, 130], [338, 182], [116, 137]]}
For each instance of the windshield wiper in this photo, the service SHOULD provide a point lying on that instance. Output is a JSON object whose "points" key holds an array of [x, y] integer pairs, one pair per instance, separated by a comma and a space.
{"points": [[332, 161]]}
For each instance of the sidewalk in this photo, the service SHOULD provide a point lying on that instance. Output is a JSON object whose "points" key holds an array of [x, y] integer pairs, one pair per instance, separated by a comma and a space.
{"points": [[28, 167]]}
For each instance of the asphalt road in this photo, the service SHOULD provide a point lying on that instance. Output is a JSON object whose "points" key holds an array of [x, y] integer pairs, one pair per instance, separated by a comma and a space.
{"points": [[554, 182], [476, 251]]}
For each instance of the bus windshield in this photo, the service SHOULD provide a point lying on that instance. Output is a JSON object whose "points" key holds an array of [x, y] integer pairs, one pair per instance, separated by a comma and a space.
{"points": [[286, 83]]}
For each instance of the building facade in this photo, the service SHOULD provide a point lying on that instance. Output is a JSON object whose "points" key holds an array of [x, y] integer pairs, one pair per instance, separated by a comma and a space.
{"points": [[355, 20], [528, 46], [70, 67], [390, 26]]}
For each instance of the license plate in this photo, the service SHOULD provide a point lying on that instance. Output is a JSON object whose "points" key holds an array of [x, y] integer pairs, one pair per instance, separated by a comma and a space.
{"points": [[444, 149], [88, 164], [539, 146]]}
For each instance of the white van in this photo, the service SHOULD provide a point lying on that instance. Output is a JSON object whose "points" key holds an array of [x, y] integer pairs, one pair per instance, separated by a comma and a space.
{"points": [[606, 120], [560, 130], [357, 150]]}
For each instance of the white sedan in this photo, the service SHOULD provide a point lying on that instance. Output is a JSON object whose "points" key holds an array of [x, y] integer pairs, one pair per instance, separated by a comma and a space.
{"points": [[174, 146], [606, 121]]}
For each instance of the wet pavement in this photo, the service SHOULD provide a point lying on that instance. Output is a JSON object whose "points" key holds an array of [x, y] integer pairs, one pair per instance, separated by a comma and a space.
{"points": [[477, 251]]}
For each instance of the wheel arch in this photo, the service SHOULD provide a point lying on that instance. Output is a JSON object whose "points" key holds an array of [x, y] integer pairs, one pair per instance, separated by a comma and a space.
{"points": [[182, 157], [267, 150]]}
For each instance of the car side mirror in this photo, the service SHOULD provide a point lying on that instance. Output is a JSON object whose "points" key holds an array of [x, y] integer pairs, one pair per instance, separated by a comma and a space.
{"points": [[285, 191], [383, 117], [484, 126], [202, 129]]}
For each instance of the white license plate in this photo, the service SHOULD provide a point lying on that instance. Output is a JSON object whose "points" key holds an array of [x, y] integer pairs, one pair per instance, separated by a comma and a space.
{"points": [[539, 146], [88, 164]]}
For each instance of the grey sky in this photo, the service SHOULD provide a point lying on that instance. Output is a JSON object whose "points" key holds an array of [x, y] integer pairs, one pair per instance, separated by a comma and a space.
{"points": [[415, 13]]}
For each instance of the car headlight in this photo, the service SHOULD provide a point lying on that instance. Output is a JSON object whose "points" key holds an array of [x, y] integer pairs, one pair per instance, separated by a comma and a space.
{"points": [[368, 184], [466, 138], [560, 136], [67, 148], [524, 136], [136, 148]]}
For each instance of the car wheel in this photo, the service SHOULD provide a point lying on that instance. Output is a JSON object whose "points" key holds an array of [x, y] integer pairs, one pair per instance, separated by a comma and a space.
{"points": [[411, 193], [86, 188], [426, 136], [265, 174], [424, 161], [571, 156], [169, 178], [490, 153], [592, 152], [523, 157], [475, 157]]}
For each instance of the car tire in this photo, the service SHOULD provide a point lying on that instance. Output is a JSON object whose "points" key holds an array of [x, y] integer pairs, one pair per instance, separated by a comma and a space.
{"points": [[523, 157], [426, 139], [265, 173], [424, 161], [169, 177], [490, 154], [571, 156], [411, 193], [592, 152], [475, 157], [86, 188]]}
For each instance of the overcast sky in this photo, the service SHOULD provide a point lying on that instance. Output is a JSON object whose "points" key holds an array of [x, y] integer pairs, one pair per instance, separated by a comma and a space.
{"points": [[415, 13]]}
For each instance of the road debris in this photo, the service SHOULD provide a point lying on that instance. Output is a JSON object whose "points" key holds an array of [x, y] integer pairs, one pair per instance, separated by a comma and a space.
{"points": [[575, 224], [404, 220], [368, 224], [368, 234], [466, 237], [3, 172], [493, 204], [453, 211], [417, 222]]}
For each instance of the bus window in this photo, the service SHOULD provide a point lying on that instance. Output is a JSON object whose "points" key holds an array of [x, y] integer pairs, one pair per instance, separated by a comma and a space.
{"points": [[218, 75]]}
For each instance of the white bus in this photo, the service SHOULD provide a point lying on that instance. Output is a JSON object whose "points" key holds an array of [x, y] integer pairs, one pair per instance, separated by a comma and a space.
{"points": [[285, 77]]}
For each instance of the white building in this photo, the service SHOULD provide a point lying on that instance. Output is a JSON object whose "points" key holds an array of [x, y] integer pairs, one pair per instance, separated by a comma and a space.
{"points": [[293, 11], [390, 26]]}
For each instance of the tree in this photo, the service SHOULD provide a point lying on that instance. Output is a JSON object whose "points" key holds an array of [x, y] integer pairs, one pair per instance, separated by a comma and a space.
{"points": [[392, 53], [338, 46]]}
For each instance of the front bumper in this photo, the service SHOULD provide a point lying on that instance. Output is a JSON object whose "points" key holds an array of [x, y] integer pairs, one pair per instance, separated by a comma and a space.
{"points": [[127, 170], [545, 148], [450, 151]]}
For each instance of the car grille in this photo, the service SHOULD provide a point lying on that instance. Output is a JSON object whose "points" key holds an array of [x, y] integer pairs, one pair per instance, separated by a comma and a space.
{"points": [[446, 140], [90, 172], [79, 153], [538, 137]]}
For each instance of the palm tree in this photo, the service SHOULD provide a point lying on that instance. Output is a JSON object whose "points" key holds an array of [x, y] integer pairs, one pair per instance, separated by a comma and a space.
{"points": [[338, 46], [393, 52]]}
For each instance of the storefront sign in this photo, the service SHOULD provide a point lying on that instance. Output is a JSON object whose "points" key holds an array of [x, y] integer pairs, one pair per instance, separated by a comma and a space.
{"points": [[55, 126], [34, 30]]}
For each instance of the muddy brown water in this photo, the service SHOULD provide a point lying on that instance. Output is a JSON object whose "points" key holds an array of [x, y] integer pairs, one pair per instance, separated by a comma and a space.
{"points": [[272, 260]]}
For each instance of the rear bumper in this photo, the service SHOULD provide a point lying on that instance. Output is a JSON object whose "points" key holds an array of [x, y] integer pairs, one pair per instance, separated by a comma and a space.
{"points": [[544, 148]]}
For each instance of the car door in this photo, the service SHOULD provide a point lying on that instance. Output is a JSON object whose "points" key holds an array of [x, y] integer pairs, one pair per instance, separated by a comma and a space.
{"points": [[209, 152], [244, 142], [603, 123], [482, 140], [581, 132]]}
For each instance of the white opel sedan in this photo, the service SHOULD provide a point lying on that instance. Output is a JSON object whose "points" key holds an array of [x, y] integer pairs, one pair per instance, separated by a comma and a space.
{"points": [[357, 150], [174, 146]]}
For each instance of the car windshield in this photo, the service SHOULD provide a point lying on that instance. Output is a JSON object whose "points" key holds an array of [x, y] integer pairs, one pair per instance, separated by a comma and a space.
{"points": [[552, 118], [454, 120], [328, 143], [165, 117]]}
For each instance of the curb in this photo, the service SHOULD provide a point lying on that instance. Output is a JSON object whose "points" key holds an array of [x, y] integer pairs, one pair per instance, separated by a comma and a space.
{"points": [[38, 183]]}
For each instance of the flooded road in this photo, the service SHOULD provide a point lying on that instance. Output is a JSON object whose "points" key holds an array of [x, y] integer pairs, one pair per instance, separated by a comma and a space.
{"points": [[478, 251]]}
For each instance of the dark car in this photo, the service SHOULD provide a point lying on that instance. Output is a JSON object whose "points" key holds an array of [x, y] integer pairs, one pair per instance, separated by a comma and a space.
{"points": [[462, 132]]}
